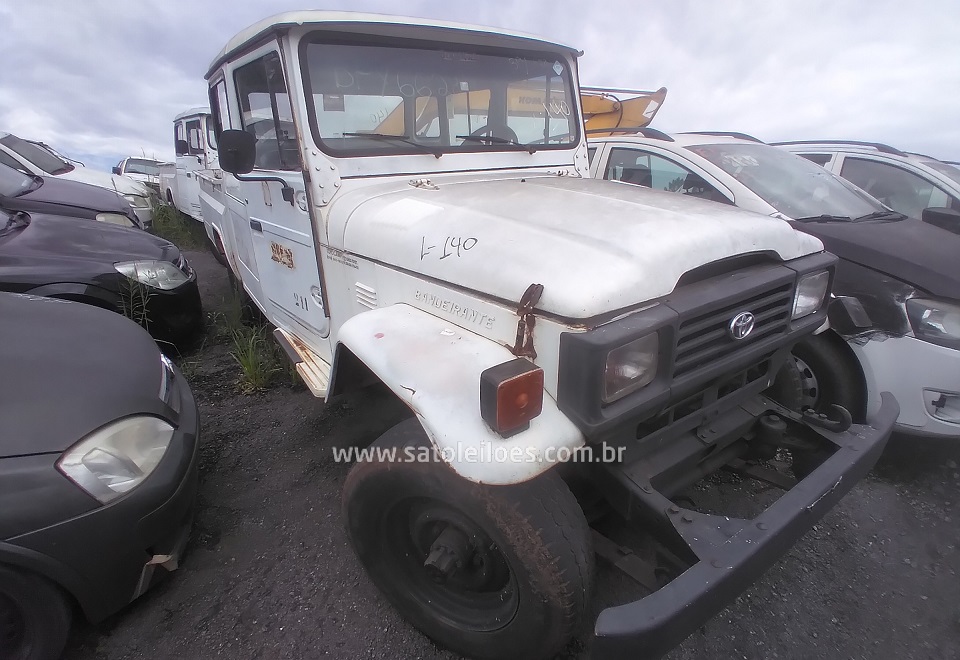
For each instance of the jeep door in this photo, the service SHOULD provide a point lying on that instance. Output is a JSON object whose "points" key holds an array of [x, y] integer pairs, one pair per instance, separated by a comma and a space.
{"points": [[278, 244]]}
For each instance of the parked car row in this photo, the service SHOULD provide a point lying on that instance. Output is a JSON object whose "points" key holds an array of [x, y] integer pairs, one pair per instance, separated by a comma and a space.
{"points": [[38, 159], [96, 500]]}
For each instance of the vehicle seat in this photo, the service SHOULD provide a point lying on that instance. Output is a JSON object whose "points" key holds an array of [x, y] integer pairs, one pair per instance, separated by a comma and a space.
{"points": [[637, 175]]}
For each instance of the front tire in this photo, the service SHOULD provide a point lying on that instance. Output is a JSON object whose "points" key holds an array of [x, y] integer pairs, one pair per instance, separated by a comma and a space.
{"points": [[34, 617], [487, 571], [830, 374]]}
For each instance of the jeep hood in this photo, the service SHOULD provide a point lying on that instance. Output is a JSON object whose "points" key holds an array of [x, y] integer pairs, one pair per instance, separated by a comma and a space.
{"points": [[596, 246]]}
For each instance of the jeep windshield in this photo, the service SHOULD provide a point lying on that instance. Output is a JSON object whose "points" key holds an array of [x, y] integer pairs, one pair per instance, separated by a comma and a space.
{"points": [[381, 100], [796, 187], [39, 156]]}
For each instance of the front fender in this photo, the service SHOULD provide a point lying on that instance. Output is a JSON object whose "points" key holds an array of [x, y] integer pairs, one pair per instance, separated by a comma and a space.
{"points": [[434, 366]]}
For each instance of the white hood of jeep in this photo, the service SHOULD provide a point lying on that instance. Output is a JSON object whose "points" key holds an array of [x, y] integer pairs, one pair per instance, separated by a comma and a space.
{"points": [[596, 246], [119, 184]]}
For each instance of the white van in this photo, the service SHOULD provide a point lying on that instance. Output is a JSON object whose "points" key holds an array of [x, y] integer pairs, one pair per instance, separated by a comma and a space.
{"points": [[196, 148]]}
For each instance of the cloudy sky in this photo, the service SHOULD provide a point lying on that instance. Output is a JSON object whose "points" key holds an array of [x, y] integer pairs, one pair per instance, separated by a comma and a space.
{"points": [[100, 79]]}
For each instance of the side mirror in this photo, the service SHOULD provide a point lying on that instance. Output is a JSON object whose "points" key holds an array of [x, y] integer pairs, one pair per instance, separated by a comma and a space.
{"points": [[944, 218], [116, 169], [238, 151], [182, 148]]}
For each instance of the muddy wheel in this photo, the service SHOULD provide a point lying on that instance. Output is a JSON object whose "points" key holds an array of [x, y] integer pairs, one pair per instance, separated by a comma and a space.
{"points": [[34, 617], [486, 571]]}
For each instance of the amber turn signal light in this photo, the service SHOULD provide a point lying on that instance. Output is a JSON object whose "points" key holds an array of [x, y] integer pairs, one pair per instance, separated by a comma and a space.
{"points": [[511, 394]]}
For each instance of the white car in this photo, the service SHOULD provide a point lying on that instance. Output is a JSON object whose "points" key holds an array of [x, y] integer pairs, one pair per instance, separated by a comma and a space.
{"points": [[897, 286], [906, 182], [32, 158], [144, 170]]}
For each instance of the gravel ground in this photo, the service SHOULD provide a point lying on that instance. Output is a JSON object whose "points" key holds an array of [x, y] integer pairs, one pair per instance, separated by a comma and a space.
{"points": [[270, 574]]}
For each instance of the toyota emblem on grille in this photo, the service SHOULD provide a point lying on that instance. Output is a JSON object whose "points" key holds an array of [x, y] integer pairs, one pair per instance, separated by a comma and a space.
{"points": [[741, 325]]}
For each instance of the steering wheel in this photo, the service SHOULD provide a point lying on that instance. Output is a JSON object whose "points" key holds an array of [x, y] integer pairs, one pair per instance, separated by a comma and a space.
{"points": [[501, 131]]}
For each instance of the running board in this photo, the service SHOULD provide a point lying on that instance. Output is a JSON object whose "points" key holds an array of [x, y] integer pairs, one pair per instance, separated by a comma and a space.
{"points": [[313, 369]]}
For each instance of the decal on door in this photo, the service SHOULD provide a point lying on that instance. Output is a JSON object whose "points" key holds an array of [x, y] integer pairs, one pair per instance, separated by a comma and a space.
{"points": [[282, 255]]}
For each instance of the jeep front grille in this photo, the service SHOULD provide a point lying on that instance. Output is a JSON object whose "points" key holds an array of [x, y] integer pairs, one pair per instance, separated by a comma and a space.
{"points": [[704, 338]]}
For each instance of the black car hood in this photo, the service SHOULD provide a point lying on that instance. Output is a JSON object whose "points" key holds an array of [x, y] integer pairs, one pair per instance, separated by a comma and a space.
{"points": [[69, 369], [63, 239], [911, 251], [71, 197]]}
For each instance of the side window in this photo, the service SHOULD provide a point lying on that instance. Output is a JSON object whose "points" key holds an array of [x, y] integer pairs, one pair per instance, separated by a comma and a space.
{"points": [[899, 189], [266, 113], [211, 134], [652, 171], [194, 137], [178, 135], [819, 159], [591, 152]]}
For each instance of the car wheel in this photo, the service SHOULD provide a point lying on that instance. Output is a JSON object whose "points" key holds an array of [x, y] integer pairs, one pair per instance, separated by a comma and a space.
{"points": [[170, 201], [830, 375], [216, 247], [486, 571], [34, 617]]}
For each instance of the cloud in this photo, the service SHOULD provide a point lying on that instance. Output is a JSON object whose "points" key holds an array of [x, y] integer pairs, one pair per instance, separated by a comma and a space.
{"points": [[105, 79]]}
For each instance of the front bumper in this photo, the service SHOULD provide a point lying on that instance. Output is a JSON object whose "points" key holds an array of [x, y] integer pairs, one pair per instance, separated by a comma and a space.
{"points": [[109, 556], [175, 315], [731, 553], [144, 215], [928, 392]]}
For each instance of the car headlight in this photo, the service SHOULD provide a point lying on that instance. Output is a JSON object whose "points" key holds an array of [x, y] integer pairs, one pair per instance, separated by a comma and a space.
{"points": [[811, 290], [117, 458], [138, 201], [115, 219], [158, 274], [935, 321], [630, 367]]}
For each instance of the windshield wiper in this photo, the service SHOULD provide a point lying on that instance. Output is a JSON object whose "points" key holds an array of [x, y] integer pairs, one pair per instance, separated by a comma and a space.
{"points": [[824, 218], [399, 138], [496, 139], [882, 215]]}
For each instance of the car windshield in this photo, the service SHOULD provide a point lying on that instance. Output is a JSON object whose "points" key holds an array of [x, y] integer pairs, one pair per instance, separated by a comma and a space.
{"points": [[791, 184], [46, 161], [139, 166], [13, 182], [382, 99], [952, 172]]}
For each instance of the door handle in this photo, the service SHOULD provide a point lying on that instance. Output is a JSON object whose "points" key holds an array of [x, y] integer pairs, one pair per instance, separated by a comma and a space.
{"points": [[256, 226]]}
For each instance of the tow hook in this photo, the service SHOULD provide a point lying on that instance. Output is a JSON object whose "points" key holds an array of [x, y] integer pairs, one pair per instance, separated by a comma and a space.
{"points": [[447, 554], [838, 421], [524, 345]]}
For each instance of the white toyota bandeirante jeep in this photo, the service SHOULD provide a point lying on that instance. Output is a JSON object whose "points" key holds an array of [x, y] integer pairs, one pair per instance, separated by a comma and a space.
{"points": [[408, 202]]}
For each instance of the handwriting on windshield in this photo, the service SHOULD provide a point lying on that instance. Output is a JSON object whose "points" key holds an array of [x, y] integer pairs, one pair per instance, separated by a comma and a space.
{"points": [[453, 246]]}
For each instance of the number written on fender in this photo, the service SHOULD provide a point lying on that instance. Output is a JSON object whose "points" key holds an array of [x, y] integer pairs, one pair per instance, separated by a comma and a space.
{"points": [[453, 246], [301, 302]]}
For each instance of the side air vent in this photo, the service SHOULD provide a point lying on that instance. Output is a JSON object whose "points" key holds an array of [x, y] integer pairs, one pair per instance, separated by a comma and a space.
{"points": [[366, 296]]}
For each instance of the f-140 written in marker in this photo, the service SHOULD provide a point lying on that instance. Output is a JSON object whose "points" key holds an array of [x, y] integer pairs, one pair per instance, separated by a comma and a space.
{"points": [[453, 246]]}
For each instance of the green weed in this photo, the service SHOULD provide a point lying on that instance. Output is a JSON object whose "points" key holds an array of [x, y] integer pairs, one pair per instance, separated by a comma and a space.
{"points": [[256, 358], [184, 232]]}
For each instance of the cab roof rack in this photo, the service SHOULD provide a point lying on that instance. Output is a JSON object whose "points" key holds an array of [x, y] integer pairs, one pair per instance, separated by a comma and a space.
{"points": [[733, 134], [879, 146], [645, 131]]}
